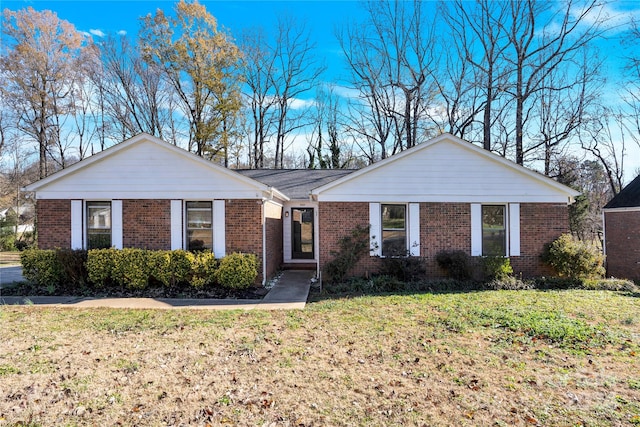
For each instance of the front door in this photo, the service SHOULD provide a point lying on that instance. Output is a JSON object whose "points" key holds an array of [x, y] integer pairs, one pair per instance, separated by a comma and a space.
{"points": [[302, 233]]}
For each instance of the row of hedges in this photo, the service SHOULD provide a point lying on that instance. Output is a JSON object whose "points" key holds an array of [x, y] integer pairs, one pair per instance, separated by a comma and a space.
{"points": [[136, 269]]}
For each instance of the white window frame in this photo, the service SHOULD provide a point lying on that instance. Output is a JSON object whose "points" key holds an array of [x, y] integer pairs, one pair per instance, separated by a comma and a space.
{"points": [[115, 208], [412, 227], [512, 228], [186, 222]]}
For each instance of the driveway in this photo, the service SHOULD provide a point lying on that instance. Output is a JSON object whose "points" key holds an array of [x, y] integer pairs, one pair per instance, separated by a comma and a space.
{"points": [[9, 275]]}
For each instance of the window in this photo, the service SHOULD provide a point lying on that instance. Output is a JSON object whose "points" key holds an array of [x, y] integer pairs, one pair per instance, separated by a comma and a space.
{"points": [[394, 230], [199, 226], [494, 230], [98, 225]]}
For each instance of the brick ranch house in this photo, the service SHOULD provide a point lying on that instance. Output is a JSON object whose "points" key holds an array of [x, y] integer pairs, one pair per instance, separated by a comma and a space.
{"points": [[444, 194], [622, 233]]}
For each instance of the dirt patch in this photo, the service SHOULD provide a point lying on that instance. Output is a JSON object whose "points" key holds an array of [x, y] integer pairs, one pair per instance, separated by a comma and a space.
{"points": [[388, 361]]}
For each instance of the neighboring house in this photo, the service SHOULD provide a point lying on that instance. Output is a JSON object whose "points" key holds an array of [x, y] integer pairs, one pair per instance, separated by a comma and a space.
{"points": [[23, 216], [622, 233], [444, 194]]}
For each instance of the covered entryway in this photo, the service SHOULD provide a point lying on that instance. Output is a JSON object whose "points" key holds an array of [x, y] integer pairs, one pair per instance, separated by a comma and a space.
{"points": [[302, 233]]}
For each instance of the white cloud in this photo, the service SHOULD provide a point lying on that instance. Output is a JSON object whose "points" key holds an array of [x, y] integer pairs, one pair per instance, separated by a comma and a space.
{"points": [[97, 33], [122, 33], [299, 104]]}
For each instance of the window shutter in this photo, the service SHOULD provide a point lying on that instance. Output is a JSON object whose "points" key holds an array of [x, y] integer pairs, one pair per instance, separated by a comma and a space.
{"points": [[476, 229], [116, 224], [375, 230], [176, 225], [514, 229], [414, 229], [77, 230], [219, 249]]}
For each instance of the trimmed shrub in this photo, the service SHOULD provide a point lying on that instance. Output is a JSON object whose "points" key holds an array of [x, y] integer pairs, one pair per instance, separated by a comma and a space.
{"points": [[74, 265], [100, 264], [496, 268], [237, 271], [573, 258], [203, 269], [457, 264], [172, 267], [42, 267], [132, 268]]}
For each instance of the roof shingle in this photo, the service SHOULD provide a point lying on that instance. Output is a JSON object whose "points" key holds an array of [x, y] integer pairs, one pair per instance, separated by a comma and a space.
{"points": [[629, 197], [295, 183]]}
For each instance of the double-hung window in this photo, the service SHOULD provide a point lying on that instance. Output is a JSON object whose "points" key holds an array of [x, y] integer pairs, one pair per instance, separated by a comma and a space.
{"points": [[199, 226], [98, 225], [494, 230], [394, 230]]}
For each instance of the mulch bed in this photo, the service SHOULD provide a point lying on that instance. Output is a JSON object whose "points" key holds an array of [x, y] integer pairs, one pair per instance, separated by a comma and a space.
{"points": [[24, 289]]}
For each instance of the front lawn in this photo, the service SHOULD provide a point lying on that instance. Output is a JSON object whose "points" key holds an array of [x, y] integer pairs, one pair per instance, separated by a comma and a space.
{"points": [[479, 358]]}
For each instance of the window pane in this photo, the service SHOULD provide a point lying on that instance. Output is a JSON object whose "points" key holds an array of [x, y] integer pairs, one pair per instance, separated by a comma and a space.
{"points": [[199, 226], [393, 217], [394, 235], [98, 225], [494, 235]]}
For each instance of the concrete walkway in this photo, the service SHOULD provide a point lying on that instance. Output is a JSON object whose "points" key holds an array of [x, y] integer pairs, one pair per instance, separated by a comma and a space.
{"points": [[290, 292]]}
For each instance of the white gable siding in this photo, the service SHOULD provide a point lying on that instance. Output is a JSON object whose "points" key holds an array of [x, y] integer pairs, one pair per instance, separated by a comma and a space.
{"points": [[147, 170], [444, 172]]}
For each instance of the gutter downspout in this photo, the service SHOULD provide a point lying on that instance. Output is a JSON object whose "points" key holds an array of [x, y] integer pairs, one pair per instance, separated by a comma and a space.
{"points": [[264, 241]]}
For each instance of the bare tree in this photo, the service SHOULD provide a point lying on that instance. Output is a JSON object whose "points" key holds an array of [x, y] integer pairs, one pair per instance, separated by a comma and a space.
{"points": [[480, 43], [297, 73], [539, 48], [41, 66], [259, 68], [604, 137], [391, 60]]}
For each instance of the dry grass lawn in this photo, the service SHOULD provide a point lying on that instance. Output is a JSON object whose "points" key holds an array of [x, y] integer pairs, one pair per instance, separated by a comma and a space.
{"points": [[498, 358]]}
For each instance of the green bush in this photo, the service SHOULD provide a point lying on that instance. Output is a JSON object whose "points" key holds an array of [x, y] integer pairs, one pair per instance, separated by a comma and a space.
{"points": [[457, 264], [172, 267], [496, 268], [406, 268], [203, 269], [74, 264], [133, 268], [237, 271], [573, 258], [100, 264], [42, 267]]}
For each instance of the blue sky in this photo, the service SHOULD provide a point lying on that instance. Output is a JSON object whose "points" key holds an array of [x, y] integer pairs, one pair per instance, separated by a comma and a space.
{"points": [[101, 17]]}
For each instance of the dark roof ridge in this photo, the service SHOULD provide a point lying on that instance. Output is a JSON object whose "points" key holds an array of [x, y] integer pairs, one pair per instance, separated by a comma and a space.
{"points": [[628, 197]]}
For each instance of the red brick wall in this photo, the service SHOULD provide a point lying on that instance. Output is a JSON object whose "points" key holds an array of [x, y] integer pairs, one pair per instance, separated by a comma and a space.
{"points": [[146, 224], [54, 223], [540, 224], [443, 227], [336, 220], [622, 234], [446, 227], [274, 239], [243, 227]]}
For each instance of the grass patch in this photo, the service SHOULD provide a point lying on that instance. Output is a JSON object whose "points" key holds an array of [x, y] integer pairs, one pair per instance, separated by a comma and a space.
{"points": [[470, 358]]}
